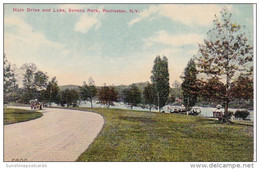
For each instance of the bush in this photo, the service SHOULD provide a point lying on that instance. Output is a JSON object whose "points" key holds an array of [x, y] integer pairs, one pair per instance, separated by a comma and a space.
{"points": [[242, 114], [230, 113]]}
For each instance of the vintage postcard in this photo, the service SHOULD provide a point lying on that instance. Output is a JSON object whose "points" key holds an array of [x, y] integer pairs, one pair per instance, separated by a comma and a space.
{"points": [[129, 82]]}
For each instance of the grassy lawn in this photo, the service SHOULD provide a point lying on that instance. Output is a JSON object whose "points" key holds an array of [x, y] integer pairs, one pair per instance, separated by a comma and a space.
{"points": [[144, 136], [17, 115]]}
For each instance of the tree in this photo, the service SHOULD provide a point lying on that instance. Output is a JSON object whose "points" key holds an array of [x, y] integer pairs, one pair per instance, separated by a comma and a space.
{"points": [[34, 82], [212, 90], [132, 96], [10, 82], [190, 85], [243, 88], [40, 80], [28, 79], [107, 95], [87, 92], [51, 94], [225, 53], [69, 97], [160, 80], [149, 96]]}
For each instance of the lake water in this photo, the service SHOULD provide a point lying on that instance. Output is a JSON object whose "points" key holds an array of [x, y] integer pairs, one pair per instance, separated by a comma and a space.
{"points": [[205, 111]]}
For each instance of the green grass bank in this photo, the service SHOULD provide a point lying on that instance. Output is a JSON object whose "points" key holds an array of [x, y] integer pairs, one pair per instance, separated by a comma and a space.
{"points": [[144, 136], [12, 115]]}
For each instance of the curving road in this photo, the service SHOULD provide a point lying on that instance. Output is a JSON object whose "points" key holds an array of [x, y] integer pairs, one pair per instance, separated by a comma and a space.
{"points": [[59, 135]]}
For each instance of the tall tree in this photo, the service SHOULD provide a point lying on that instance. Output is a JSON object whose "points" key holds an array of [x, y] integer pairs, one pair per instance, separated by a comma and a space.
{"points": [[160, 81], [28, 82], [88, 92], [225, 53], [190, 85], [10, 82], [132, 96], [40, 80], [51, 93], [107, 95], [69, 97], [33, 82], [212, 90], [149, 96], [243, 88]]}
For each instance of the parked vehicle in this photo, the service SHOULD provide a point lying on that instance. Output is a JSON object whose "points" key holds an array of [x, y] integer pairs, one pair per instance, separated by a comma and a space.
{"points": [[173, 109], [194, 111], [35, 104]]}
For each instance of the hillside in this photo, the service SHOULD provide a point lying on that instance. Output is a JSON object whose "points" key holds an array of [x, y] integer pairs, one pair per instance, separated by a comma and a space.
{"points": [[140, 86], [64, 87]]}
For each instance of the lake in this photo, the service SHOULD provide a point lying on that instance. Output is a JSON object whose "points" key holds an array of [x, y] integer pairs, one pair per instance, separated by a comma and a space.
{"points": [[205, 111]]}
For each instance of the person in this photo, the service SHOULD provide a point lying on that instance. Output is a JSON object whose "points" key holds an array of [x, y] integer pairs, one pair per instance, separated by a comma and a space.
{"points": [[32, 104], [219, 113]]}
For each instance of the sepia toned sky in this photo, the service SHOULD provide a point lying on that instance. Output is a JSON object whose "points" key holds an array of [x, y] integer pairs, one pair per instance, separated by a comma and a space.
{"points": [[112, 48]]}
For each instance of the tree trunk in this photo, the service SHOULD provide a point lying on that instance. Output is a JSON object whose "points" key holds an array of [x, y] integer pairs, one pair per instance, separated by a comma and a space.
{"points": [[158, 100], [91, 103], [227, 98]]}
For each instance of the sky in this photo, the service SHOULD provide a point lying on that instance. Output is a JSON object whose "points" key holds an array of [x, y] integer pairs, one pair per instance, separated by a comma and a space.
{"points": [[112, 48]]}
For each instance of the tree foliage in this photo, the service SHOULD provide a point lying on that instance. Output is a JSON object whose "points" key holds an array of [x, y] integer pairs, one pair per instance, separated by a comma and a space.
{"points": [[225, 53], [132, 96], [87, 92], [51, 94], [149, 96], [160, 80], [189, 85], [107, 95], [10, 82], [212, 90], [243, 88], [69, 97], [34, 82]]}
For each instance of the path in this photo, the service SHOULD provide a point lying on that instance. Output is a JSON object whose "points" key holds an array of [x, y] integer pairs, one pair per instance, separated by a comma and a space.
{"points": [[59, 135]]}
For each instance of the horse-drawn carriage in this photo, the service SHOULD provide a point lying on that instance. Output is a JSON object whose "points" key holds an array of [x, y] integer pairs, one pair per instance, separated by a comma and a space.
{"points": [[35, 104]]}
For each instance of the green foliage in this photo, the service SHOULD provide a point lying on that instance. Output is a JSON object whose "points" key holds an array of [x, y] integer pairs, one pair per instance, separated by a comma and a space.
{"points": [[87, 92], [132, 96], [107, 95], [160, 80], [69, 97], [10, 83], [34, 82], [213, 89], [225, 52], [243, 88], [149, 95], [40, 80], [190, 85], [51, 94], [242, 114]]}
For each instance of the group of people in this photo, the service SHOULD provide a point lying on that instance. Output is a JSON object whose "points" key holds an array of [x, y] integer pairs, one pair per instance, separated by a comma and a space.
{"points": [[219, 114], [35, 104]]}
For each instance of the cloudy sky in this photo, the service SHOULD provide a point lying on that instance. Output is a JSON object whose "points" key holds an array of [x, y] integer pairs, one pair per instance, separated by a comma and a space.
{"points": [[112, 48]]}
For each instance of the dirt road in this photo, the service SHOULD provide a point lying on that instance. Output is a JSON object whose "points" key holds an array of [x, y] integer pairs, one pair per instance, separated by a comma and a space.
{"points": [[59, 135]]}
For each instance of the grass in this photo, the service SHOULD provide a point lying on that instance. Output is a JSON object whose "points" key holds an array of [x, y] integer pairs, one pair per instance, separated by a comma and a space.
{"points": [[144, 136], [12, 115]]}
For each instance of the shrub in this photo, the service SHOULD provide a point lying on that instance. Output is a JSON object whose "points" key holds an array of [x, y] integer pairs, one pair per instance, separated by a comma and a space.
{"points": [[242, 114], [230, 113]]}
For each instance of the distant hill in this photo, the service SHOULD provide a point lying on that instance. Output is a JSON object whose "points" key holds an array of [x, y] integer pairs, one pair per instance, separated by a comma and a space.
{"points": [[64, 87], [119, 88], [140, 86]]}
